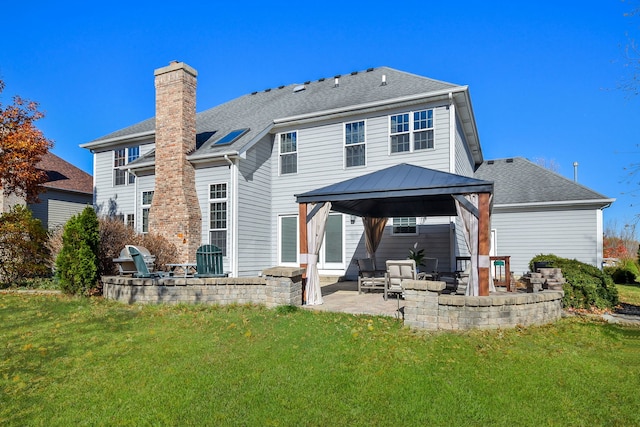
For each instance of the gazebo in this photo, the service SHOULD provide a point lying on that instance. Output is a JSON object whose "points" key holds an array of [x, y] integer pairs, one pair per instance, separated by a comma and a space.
{"points": [[402, 190]]}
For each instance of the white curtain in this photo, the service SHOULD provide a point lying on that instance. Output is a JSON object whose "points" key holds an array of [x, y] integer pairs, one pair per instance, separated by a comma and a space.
{"points": [[470, 223], [315, 233]]}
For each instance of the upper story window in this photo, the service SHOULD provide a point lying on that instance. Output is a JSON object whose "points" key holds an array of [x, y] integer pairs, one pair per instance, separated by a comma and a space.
{"points": [[354, 144], [122, 157], [288, 146], [411, 131]]}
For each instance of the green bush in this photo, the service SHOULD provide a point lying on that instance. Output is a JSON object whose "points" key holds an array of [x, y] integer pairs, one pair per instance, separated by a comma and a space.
{"points": [[77, 262], [23, 251], [586, 286], [626, 272]]}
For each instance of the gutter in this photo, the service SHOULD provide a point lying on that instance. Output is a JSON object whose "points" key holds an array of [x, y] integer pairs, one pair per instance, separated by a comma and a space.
{"points": [[125, 138], [604, 202], [373, 106], [233, 178]]}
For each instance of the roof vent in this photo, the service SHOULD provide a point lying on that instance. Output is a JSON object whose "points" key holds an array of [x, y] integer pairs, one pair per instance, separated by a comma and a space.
{"points": [[336, 81], [253, 93], [509, 160], [281, 87], [353, 73], [307, 82], [299, 88], [268, 90], [384, 80], [321, 79], [369, 70], [490, 162]]}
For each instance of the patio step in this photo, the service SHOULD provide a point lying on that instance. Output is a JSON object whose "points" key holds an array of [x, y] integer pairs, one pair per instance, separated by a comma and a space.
{"points": [[327, 280]]}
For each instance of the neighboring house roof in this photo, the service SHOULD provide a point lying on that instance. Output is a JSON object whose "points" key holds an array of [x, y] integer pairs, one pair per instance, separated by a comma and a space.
{"points": [[263, 112], [62, 175], [398, 191], [521, 182]]}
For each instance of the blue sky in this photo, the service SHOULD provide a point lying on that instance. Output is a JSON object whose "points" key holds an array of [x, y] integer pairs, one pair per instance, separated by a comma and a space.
{"points": [[544, 78]]}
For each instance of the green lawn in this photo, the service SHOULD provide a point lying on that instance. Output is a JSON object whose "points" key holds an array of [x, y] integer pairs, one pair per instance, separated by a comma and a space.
{"points": [[67, 361], [629, 294]]}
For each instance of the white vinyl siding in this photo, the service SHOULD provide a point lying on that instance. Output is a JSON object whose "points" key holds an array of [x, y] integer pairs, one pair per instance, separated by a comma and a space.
{"points": [[321, 163], [256, 234], [569, 233], [109, 199], [463, 160]]}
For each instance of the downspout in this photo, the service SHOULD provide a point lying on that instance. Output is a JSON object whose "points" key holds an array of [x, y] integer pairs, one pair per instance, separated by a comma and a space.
{"points": [[233, 182], [453, 244]]}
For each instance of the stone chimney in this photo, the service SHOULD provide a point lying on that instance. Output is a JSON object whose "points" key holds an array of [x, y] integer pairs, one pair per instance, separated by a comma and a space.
{"points": [[175, 211]]}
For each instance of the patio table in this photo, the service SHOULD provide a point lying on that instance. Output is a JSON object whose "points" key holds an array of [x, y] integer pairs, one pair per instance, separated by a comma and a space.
{"points": [[187, 268]]}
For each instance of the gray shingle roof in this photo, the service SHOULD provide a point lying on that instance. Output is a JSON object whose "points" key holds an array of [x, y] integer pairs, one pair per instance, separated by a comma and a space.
{"points": [[258, 111], [518, 180]]}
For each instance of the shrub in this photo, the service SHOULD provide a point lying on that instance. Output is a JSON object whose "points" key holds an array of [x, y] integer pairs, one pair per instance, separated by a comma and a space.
{"points": [[115, 234], [586, 286], [77, 262], [626, 272], [23, 251]]}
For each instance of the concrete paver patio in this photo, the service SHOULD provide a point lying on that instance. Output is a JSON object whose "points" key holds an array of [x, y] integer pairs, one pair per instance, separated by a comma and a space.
{"points": [[343, 297]]}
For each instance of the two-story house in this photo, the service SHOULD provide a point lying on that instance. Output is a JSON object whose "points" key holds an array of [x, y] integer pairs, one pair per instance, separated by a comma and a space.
{"points": [[229, 175], [66, 192]]}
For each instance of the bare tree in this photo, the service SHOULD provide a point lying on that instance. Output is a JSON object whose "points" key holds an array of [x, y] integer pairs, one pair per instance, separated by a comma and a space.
{"points": [[550, 164], [631, 83]]}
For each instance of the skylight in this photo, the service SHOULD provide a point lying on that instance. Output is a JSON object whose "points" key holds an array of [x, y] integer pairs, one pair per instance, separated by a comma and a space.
{"points": [[231, 136]]}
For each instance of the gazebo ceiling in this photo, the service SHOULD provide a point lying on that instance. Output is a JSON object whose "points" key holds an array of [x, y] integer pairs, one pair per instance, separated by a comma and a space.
{"points": [[398, 191]]}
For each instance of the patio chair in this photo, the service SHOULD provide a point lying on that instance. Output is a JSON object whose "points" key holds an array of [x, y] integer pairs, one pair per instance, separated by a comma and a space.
{"points": [[369, 277], [142, 269], [430, 270], [398, 272], [209, 262]]}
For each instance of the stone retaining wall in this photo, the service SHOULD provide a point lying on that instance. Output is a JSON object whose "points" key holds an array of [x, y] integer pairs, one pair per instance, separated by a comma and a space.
{"points": [[278, 286], [426, 308]]}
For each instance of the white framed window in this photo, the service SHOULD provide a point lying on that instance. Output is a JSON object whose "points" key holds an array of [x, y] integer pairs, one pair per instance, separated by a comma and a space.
{"points": [[147, 198], [288, 149], [131, 220], [218, 216], [288, 240], [122, 157], [354, 144], [412, 131], [404, 225]]}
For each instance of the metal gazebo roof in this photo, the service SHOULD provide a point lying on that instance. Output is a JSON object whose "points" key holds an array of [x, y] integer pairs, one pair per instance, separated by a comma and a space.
{"points": [[398, 191]]}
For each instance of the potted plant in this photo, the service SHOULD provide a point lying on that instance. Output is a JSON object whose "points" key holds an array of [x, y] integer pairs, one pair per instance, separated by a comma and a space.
{"points": [[417, 256]]}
